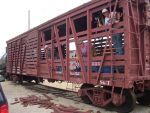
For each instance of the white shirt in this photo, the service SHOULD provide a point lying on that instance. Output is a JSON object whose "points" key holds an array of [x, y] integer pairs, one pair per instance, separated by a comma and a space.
{"points": [[112, 15], [107, 21]]}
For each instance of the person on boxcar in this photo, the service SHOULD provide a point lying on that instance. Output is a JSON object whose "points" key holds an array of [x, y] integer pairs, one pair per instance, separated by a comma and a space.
{"points": [[114, 18], [84, 49], [84, 53], [111, 18], [107, 19], [100, 20], [117, 38]]}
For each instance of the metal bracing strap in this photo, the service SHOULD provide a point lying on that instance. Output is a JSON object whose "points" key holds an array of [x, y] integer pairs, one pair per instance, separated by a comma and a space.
{"points": [[108, 40]]}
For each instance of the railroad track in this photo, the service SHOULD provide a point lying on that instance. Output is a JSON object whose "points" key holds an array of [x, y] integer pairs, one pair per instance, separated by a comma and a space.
{"points": [[55, 91]]}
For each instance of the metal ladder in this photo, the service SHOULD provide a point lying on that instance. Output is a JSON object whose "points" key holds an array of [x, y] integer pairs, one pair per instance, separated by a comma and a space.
{"points": [[136, 33], [146, 20]]}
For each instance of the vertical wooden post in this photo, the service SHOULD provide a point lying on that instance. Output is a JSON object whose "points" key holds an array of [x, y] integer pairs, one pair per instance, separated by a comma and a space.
{"points": [[59, 51], [67, 51], [78, 50], [89, 46]]}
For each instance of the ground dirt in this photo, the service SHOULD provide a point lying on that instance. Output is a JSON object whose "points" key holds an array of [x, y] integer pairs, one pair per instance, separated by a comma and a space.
{"points": [[13, 90]]}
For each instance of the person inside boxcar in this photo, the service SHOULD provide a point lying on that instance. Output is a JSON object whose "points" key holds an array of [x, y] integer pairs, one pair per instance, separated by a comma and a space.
{"points": [[114, 18], [103, 18], [111, 18], [84, 53], [117, 38], [84, 49], [100, 19], [107, 19]]}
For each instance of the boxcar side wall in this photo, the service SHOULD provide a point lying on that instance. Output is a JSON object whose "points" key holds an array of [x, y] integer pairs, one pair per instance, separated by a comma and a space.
{"points": [[66, 63], [55, 67]]}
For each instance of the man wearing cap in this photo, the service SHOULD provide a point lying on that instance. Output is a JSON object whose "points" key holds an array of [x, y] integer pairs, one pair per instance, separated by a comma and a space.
{"points": [[106, 14]]}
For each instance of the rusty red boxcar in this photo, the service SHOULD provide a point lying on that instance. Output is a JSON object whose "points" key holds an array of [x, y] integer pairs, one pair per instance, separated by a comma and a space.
{"points": [[103, 44]]}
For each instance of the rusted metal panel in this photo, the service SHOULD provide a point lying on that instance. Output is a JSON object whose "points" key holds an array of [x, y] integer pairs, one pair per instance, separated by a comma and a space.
{"points": [[75, 48], [31, 53]]}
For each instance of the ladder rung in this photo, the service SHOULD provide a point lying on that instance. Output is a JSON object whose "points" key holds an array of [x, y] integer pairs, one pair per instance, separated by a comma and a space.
{"points": [[135, 64]]}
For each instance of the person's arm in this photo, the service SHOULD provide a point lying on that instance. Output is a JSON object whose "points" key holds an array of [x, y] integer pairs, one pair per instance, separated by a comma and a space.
{"points": [[99, 23], [119, 16], [93, 51]]}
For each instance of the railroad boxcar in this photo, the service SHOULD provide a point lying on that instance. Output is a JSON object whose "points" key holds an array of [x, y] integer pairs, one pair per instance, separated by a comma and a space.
{"points": [[103, 44]]}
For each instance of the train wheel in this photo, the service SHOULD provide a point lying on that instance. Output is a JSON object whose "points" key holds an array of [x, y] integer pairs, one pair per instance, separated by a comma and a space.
{"points": [[130, 102], [10, 77], [29, 81], [15, 78], [20, 79], [37, 81], [86, 98], [145, 100]]}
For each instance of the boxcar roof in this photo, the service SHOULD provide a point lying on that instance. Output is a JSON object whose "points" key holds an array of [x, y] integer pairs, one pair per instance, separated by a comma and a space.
{"points": [[56, 18]]}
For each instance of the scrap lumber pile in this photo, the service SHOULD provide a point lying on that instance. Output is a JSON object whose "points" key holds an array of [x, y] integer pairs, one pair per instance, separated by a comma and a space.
{"points": [[45, 101]]}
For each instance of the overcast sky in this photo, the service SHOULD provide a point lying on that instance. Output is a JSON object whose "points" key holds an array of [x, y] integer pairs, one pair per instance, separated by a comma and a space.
{"points": [[14, 15]]}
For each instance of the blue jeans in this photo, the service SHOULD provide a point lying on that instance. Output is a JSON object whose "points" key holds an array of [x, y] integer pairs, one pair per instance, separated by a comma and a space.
{"points": [[105, 69], [117, 41]]}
